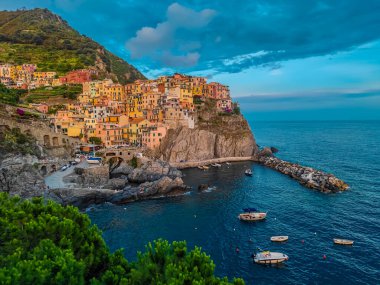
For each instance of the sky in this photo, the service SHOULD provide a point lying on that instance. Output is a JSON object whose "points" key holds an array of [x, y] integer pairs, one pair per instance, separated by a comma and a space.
{"points": [[283, 59]]}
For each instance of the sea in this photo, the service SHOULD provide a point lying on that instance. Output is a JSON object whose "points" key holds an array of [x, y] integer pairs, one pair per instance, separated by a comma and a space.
{"points": [[348, 149]]}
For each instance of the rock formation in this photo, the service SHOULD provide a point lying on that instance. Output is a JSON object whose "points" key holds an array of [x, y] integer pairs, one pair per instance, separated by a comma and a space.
{"points": [[307, 176], [20, 176], [213, 137], [153, 170], [92, 177]]}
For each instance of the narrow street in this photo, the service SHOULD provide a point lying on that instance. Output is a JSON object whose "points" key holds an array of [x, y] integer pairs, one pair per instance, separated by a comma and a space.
{"points": [[55, 180]]}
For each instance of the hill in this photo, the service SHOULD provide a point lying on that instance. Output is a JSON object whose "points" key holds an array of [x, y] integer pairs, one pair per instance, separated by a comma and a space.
{"points": [[38, 36]]}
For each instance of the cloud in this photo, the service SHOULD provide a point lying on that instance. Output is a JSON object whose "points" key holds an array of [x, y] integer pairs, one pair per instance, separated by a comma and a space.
{"points": [[220, 31], [163, 44]]}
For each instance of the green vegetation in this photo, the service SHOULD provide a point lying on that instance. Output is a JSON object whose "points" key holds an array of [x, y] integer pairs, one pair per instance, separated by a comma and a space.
{"points": [[13, 141], [43, 38], [134, 162], [54, 109], [44, 93], [236, 110], [45, 243], [95, 140], [10, 96]]}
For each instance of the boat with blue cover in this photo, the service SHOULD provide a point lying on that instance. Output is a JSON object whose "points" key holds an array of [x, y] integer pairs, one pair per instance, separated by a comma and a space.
{"points": [[94, 160]]}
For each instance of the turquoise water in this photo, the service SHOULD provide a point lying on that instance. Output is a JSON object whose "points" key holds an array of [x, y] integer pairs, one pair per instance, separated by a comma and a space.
{"points": [[350, 150]]}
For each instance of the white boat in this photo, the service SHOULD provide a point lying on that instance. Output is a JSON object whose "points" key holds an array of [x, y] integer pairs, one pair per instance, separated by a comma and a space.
{"points": [[343, 241], [279, 238], [216, 165], [228, 163], [252, 217], [268, 257], [94, 160], [248, 172], [77, 160]]}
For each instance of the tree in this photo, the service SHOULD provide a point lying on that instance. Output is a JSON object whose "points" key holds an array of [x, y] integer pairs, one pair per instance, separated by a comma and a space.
{"points": [[45, 243], [95, 140]]}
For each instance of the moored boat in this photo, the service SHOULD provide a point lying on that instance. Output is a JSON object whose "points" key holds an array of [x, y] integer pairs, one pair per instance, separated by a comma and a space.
{"points": [[94, 160], [248, 172], [252, 217], [279, 238], [268, 257], [343, 241], [216, 165]]}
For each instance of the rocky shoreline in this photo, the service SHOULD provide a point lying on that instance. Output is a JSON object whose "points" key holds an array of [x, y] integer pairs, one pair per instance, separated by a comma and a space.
{"points": [[306, 176]]}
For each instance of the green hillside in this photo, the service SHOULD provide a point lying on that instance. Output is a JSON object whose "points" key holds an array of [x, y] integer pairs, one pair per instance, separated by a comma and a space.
{"points": [[41, 37]]}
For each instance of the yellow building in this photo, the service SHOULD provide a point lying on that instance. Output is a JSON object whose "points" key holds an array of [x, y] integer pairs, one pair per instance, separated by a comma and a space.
{"points": [[135, 129], [76, 129], [115, 92], [135, 108], [40, 75], [186, 96]]}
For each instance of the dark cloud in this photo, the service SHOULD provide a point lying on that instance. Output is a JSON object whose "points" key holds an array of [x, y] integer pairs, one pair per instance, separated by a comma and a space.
{"points": [[228, 36]]}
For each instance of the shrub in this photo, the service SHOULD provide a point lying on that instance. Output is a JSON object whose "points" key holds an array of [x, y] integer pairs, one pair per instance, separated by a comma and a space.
{"points": [[45, 243]]}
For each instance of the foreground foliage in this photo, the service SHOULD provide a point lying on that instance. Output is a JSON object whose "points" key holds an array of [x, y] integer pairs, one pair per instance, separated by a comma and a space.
{"points": [[45, 243]]}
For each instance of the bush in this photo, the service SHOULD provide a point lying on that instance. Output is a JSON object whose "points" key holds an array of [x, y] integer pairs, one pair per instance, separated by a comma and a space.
{"points": [[133, 162], [45, 243], [95, 140]]}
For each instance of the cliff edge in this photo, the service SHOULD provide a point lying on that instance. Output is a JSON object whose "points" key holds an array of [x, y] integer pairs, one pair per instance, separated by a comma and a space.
{"points": [[215, 135]]}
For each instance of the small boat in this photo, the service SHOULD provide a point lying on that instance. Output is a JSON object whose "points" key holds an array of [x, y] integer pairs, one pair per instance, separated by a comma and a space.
{"points": [[248, 172], [94, 160], [252, 217], [343, 241], [228, 163], [216, 165], [268, 257], [279, 238]]}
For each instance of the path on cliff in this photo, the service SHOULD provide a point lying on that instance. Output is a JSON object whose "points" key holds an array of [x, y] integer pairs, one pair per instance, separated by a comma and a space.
{"points": [[55, 180]]}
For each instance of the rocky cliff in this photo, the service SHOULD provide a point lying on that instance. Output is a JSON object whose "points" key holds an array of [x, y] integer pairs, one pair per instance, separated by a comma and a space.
{"points": [[215, 136]]}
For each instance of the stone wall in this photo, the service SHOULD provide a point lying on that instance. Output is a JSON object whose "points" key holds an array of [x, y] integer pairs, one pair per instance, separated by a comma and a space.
{"points": [[44, 135]]}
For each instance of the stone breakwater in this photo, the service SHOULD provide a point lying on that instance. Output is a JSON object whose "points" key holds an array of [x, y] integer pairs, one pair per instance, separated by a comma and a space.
{"points": [[307, 176]]}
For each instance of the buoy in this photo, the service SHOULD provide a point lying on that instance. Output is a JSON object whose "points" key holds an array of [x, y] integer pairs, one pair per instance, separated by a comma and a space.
{"points": [[195, 216], [324, 256], [195, 228], [125, 208], [237, 249], [315, 233], [234, 229], [275, 218]]}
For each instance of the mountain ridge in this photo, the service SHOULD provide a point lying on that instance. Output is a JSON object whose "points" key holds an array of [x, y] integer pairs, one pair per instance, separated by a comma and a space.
{"points": [[41, 37]]}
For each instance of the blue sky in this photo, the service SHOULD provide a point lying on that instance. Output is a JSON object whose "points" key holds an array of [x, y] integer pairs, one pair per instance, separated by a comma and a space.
{"points": [[292, 59]]}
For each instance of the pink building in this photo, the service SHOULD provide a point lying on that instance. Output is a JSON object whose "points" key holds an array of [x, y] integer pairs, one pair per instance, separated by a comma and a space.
{"points": [[218, 91], [43, 108], [153, 136], [76, 77]]}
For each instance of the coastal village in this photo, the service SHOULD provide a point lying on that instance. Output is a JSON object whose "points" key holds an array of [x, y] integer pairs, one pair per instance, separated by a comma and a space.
{"points": [[111, 114]]}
